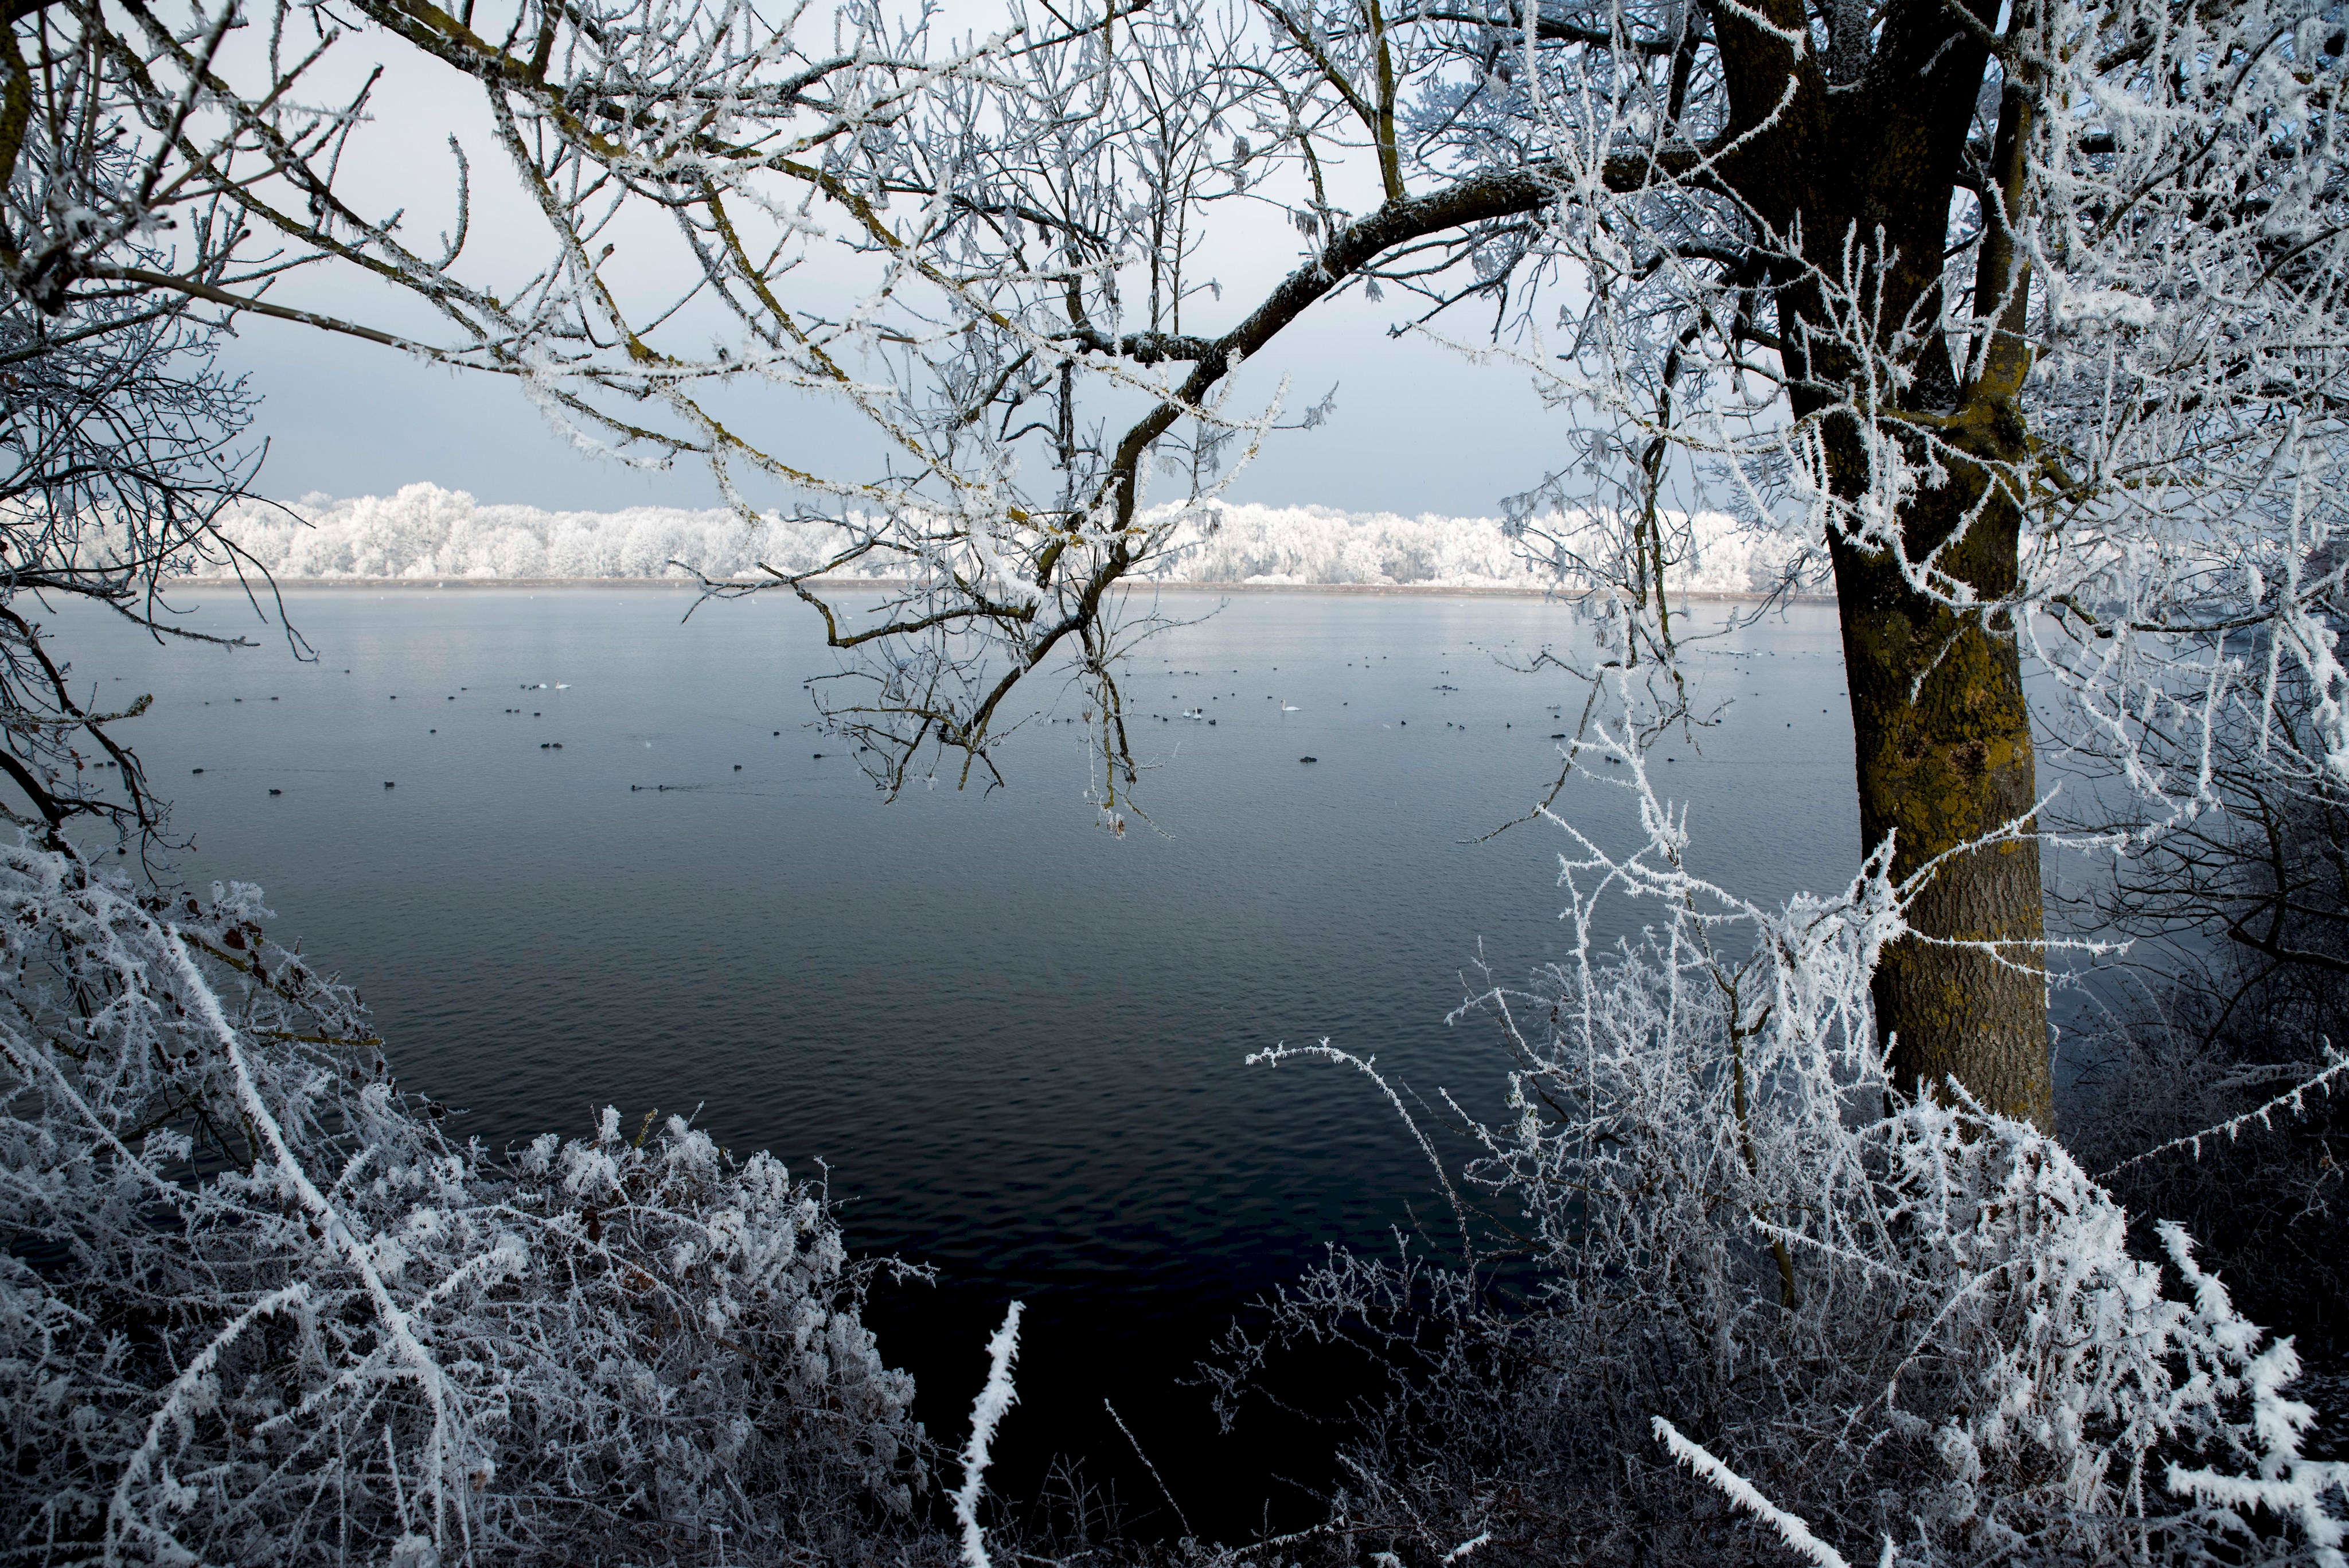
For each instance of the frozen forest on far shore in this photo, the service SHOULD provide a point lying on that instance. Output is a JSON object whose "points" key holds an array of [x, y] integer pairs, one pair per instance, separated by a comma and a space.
{"points": [[426, 531]]}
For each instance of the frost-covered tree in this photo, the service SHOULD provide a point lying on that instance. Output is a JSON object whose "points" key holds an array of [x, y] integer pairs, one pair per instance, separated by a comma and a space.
{"points": [[119, 451], [2023, 322]]}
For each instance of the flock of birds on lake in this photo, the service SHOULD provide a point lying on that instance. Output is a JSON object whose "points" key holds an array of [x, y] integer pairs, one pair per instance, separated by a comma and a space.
{"points": [[1199, 714]]}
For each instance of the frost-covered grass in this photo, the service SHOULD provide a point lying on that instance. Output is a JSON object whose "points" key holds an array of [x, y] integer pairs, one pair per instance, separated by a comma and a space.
{"points": [[426, 532]]}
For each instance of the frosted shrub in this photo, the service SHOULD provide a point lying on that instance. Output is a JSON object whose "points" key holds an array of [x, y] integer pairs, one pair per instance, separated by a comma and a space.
{"points": [[258, 1307], [1896, 1319]]}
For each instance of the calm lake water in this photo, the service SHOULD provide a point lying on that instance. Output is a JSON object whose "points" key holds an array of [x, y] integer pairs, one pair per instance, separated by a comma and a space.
{"points": [[1014, 1042]]}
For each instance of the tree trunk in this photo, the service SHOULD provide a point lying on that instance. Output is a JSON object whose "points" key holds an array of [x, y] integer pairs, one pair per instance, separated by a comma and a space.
{"points": [[1951, 763], [1865, 172], [1864, 168]]}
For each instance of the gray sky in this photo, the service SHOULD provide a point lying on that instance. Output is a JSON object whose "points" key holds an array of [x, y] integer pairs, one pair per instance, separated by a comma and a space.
{"points": [[1417, 428]]}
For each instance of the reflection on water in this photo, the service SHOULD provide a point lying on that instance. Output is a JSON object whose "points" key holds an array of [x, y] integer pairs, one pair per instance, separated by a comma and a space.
{"points": [[1014, 1042]]}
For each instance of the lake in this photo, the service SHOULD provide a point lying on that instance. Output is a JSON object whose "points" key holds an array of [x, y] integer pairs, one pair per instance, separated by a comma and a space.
{"points": [[1013, 1041]]}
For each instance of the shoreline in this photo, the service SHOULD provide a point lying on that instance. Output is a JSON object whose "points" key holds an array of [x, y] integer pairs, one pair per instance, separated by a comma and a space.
{"points": [[359, 584]]}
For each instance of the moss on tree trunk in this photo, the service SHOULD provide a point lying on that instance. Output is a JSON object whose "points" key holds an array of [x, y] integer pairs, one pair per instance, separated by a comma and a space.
{"points": [[1942, 741], [1864, 168]]}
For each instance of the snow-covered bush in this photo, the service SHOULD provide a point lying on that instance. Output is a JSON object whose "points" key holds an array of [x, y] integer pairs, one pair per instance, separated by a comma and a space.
{"points": [[256, 1306], [1903, 1320]]}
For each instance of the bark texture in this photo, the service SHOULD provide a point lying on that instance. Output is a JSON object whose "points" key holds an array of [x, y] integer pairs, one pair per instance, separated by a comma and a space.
{"points": [[1942, 738], [1861, 155]]}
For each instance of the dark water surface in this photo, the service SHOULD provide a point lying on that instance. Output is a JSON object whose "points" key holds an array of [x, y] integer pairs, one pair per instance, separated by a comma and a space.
{"points": [[1015, 1042]]}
